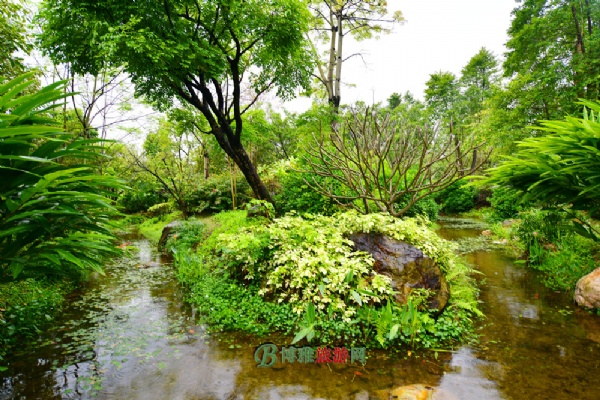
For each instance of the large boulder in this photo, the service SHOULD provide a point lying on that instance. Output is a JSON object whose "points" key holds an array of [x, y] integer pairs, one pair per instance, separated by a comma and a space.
{"points": [[167, 232], [587, 291], [406, 265]]}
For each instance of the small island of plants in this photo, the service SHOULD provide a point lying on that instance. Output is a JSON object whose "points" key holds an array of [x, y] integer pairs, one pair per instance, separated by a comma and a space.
{"points": [[299, 275]]}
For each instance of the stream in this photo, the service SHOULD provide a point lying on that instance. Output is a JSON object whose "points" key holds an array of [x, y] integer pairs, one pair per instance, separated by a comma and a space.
{"points": [[129, 335]]}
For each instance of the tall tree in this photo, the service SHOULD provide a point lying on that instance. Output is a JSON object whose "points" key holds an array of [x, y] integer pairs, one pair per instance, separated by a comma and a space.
{"points": [[553, 57], [201, 52], [478, 80], [333, 22]]}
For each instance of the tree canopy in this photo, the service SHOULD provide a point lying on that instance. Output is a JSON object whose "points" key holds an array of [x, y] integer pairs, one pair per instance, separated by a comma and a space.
{"points": [[553, 56], [219, 55]]}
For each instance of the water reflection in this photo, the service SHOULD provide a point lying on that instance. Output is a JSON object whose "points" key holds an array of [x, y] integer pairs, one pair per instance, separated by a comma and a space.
{"points": [[468, 381]]}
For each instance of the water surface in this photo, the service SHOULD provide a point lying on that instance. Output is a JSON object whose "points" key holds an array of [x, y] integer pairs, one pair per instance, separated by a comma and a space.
{"points": [[129, 335]]}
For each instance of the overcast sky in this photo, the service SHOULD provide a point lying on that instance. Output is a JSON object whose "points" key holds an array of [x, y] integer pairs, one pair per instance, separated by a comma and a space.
{"points": [[438, 35]]}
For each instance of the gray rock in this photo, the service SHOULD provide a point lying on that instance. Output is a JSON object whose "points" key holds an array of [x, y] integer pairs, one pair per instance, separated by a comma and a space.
{"points": [[406, 265], [167, 233], [587, 291]]}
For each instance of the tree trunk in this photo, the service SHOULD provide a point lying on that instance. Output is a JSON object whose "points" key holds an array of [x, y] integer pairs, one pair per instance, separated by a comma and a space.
{"points": [[338, 67], [458, 151], [245, 165], [206, 164]]}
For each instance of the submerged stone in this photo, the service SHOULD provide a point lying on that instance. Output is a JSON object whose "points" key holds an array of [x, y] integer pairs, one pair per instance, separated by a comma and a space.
{"points": [[415, 392], [406, 265], [587, 291]]}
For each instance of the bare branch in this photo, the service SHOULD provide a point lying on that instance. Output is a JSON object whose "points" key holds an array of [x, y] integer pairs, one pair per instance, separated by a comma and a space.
{"points": [[382, 162]]}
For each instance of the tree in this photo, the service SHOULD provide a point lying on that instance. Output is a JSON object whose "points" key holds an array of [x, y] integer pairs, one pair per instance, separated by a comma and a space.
{"points": [[201, 52], [553, 57], [478, 80], [13, 38], [442, 94], [334, 21], [55, 213], [173, 158], [386, 164]]}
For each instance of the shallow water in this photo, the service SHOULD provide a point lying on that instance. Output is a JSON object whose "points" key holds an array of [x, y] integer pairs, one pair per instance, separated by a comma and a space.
{"points": [[129, 336]]}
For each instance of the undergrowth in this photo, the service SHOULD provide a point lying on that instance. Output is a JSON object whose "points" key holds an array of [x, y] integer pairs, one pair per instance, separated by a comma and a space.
{"points": [[27, 307]]}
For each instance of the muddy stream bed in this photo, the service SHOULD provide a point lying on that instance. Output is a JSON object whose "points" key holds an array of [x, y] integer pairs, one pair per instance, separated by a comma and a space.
{"points": [[129, 335]]}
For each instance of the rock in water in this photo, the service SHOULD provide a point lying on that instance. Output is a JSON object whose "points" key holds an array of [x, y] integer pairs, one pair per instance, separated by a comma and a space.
{"points": [[167, 233], [415, 392], [587, 291], [406, 265]]}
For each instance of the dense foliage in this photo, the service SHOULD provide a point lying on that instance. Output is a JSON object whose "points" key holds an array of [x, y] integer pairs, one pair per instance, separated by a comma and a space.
{"points": [[457, 198], [26, 307], [559, 169], [55, 213], [555, 249]]}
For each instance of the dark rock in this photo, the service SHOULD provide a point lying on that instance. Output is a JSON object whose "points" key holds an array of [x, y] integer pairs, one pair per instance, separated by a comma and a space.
{"points": [[406, 265], [167, 233]]}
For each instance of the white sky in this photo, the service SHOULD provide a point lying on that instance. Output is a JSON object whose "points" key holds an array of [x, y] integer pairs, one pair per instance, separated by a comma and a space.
{"points": [[438, 35]]}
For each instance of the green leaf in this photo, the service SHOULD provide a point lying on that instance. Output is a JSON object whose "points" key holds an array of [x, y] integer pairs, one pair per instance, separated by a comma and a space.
{"points": [[302, 334], [356, 297]]}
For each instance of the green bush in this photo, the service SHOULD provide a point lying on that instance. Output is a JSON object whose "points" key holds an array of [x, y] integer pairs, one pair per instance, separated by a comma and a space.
{"points": [[553, 248], [295, 195], [457, 198], [140, 197], [542, 227], [506, 203], [564, 263], [560, 169], [188, 235], [214, 194], [227, 304], [427, 206]]}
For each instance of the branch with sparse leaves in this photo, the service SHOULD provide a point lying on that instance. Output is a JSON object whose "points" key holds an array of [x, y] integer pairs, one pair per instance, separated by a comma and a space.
{"points": [[383, 161]]}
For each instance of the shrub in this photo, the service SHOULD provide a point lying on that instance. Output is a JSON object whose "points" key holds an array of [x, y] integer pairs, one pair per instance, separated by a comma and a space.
{"points": [[565, 263], [560, 169], [457, 198], [26, 307], [140, 197], [214, 194], [553, 248], [542, 227], [188, 235], [296, 195], [506, 204], [427, 207]]}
